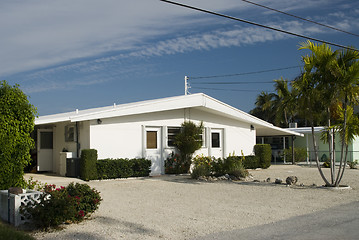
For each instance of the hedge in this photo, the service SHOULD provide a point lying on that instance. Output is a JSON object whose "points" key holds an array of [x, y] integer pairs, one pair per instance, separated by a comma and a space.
{"points": [[264, 152], [122, 168], [251, 162], [88, 164]]}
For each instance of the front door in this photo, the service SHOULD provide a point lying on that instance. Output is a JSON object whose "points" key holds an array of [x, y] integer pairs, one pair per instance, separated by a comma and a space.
{"points": [[217, 143], [44, 149], [154, 149]]}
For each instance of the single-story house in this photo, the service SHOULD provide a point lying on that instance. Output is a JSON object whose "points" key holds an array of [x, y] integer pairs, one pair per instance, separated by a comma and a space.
{"points": [[147, 129], [323, 148]]}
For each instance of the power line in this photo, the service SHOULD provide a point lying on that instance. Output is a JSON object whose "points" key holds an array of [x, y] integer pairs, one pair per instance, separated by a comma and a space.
{"points": [[301, 18], [228, 83], [257, 24], [245, 73], [222, 89]]}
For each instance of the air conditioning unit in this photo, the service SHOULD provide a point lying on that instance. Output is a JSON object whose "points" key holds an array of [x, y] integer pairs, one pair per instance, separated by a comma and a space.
{"points": [[293, 125]]}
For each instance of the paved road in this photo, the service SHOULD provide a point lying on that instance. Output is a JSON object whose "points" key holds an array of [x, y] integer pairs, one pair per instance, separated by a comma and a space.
{"points": [[340, 222]]}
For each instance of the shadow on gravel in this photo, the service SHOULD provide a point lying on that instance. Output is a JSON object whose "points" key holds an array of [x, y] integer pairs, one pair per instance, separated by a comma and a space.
{"points": [[340, 222], [125, 226]]}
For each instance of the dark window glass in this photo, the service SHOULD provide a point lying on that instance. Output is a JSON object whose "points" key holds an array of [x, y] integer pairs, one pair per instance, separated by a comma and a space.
{"points": [[171, 135], [46, 141], [216, 140]]}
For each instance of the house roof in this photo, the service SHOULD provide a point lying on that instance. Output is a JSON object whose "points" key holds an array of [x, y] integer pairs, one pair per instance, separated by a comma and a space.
{"points": [[305, 130], [199, 100]]}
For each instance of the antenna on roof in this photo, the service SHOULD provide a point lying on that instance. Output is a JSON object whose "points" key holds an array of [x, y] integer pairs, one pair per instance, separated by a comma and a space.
{"points": [[186, 86]]}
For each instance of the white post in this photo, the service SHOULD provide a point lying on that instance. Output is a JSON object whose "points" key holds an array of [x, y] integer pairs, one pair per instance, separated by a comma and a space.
{"points": [[185, 85]]}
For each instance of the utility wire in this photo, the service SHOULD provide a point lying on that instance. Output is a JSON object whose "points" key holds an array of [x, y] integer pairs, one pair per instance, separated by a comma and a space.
{"points": [[246, 73], [228, 83], [257, 24], [222, 89], [301, 18]]}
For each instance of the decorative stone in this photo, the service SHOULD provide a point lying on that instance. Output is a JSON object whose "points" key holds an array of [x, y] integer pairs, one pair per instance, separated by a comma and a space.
{"points": [[291, 180], [268, 179], [15, 190], [278, 181]]}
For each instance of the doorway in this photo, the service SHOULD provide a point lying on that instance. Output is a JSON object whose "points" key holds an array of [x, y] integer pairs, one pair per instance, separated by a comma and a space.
{"points": [[45, 143], [153, 146]]}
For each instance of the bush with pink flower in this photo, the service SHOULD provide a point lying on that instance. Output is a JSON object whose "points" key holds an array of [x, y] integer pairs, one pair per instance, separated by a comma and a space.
{"points": [[60, 205]]}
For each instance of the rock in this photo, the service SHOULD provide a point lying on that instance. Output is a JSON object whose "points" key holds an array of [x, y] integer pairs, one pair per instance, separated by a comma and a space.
{"points": [[291, 180], [302, 185], [268, 179], [227, 176], [201, 178], [256, 181], [15, 190], [278, 181]]}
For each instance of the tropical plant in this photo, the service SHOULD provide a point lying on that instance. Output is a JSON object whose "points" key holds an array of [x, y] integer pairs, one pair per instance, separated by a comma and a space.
{"points": [[265, 107], [286, 106], [17, 117], [329, 81], [188, 141]]}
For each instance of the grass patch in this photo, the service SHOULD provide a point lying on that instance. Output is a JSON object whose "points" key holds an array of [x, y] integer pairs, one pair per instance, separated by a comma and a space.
{"points": [[9, 232]]}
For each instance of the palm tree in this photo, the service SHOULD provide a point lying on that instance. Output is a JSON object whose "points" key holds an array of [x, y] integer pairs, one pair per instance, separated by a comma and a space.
{"points": [[265, 106], [330, 79], [286, 103]]}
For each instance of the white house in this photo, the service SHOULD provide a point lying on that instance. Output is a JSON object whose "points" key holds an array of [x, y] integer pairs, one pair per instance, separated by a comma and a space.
{"points": [[147, 129]]}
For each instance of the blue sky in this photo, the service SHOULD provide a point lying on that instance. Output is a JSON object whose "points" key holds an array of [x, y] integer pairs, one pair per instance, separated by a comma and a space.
{"points": [[85, 53]]}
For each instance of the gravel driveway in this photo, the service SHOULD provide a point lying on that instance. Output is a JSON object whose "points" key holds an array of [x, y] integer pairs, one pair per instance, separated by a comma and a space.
{"points": [[177, 207]]}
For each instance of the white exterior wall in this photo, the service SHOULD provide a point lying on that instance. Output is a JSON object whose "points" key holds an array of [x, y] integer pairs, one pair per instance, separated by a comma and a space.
{"points": [[122, 137]]}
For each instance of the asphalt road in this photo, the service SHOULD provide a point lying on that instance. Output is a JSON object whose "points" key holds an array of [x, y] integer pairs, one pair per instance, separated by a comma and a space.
{"points": [[341, 222]]}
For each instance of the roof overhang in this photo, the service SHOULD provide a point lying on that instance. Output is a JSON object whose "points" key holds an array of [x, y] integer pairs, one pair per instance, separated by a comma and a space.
{"points": [[198, 100]]}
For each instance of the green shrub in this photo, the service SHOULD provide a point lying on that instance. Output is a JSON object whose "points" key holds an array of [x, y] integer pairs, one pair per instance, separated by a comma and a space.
{"points": [[250, 162], [114, 168], [58, 205], [88, 161], [174, 164], [141, 167], [207, 166], [300, 154], [218, 168], [202, 166], [201, 171], [353, 164], [264, 152]]}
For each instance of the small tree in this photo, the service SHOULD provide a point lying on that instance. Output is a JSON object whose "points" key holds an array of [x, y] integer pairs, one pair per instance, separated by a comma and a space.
{"points": [[16, 123], [188, 141]]}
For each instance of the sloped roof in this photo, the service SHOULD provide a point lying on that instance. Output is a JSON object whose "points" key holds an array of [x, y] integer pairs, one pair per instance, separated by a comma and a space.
{"points": [[198, 100]]}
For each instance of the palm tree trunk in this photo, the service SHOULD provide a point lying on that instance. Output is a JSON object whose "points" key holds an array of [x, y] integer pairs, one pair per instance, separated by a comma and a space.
{"points": [[344, 144], [330, 143], [317, 158], [345, 163]]}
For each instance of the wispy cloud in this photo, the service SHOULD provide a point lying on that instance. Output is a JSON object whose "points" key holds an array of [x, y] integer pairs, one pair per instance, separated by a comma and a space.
{"points": [[50, 39]]}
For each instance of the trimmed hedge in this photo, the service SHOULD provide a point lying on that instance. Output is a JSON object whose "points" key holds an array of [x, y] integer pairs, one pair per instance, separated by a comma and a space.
{"points": [[251, 162], [122, 168], [141, 167], [264, 152], [88, 161]]}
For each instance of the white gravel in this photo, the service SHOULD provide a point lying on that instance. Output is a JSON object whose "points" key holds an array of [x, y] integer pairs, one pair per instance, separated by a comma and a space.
{"points": [[177, 207]]}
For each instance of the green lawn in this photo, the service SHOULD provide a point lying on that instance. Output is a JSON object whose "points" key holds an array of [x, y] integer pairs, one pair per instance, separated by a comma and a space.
{"points": [[8, 232]]}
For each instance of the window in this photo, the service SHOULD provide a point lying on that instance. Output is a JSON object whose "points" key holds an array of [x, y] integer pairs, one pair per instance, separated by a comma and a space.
{"points": [[171, 135], [70, 133], [151, 137], [216, 142], [46, 140]]}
